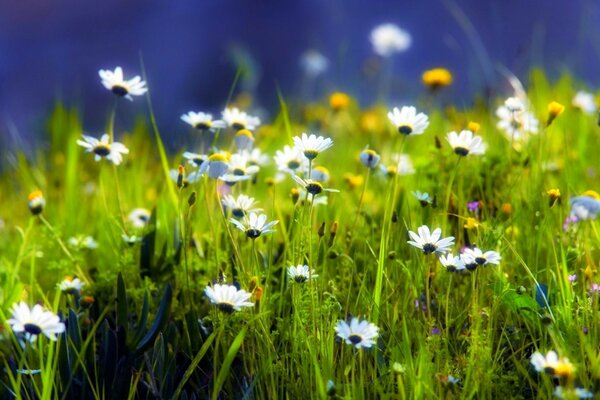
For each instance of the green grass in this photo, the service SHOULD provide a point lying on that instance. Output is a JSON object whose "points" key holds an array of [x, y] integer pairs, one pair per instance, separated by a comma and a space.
{"points": [[152, 333]]}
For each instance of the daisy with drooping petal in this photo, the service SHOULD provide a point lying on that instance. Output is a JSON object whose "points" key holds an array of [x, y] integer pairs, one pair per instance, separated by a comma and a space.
{"points": [[114, 81], [240, 206], [103, 148], [452, 263], [202, 121], [139, 217], [430, 242], [71, 286], [475, 257], [237, 119], [244, 140], [407, 121], [369, 158], [301, 273], [254, 225], [388, 39], [311, 186], [320, 174], [312, 145], [215, 166], [35, 321], [551, 364], [465, 143], [228, 298], [585, 102], [359, 333], [290, 160], [36, 202], [195, 159]]}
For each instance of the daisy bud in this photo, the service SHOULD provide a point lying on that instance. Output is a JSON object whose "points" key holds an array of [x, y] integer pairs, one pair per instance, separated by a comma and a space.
{"points": [[270, 181], [36, 202], [321, 231], [554, 110], [553, 197], [295, 195], [437, 78], [339, 101], [473, 126], [180, 175], [506, 208], [192, 199], [369, 158], [258, 294], [438, 142], [333, 230], [86, 301], [253, 284]]}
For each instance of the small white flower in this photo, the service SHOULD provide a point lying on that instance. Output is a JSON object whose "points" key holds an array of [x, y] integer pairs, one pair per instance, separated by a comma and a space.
{"points": [[228, 298], [239, 170], [465, 143], [240, 206], [83, 242], [516, 125], [290, 160], [195, 159], [254, 225], [256, 157], [301, 273], [452, 263], [578, 392], [103, 148], [35, 321], [514, 104], [388, 39], [237, 119], [430, 242], [131, 239], [407, 121], [202, 121], [311, 186], [475, 257], [314, 63], [215, 166], [585, 102], [369, 158], [71, 286], [244, 140], [584, 207], [424, 198], [551, 364], [312, 145], [139, 217], [360, 334], [403, 166], [115, 82]]}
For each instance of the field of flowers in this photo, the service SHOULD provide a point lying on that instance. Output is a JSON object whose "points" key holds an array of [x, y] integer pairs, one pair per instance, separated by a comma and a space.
{"points": [[404, 251]]}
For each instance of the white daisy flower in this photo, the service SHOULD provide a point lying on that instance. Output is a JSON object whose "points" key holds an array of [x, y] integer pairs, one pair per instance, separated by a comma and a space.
{"points": [[237, 119], [36, 202], [215, 166], [360, 334], [290, 160], [301, 273], [369, 158], [514, 104], [424, 198], [239, 169], [516, 125], [254, 225], [319, 174], [584, 207], [139, 217], [451, 262], [407, 121], [551, 364], [576, 393], [430, 242], [475, 257], [228, 298], [35, 321], [103, 148], [202, 121], [465, 143], [71, 286], [314, 63], [388, 39], [115, 82], [243, 140], [256, 157], [195, 159], [311, 186], [312, 145], [402, 166], [240, 206], [83, 242], [585, 102]]}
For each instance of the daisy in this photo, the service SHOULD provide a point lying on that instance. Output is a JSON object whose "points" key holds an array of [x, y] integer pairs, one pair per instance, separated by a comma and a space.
{"points": [[465, 143], [514, 104], [474, 257], [115, 82], [312, 145], [195, 159], [71, 286], [515, 121], [35, 321], [290, 160], [369, 158], [577, 393], [256, 157], [228, 298], [360, 334], [430, 242], [319, 174], [584, 207], [388, 39], [203, 121], [103, 148], [314, 200], [403, 166], [301, 273], [83, 242], [188, 179], [36, 202], [240, 206], [551, 364], [237, 119], [215, 166], [312, 186], [585, 102], [254, 225], [424, 198], [239, 170], [452, 263], [244, 140], [139, 217], [407, 121]]}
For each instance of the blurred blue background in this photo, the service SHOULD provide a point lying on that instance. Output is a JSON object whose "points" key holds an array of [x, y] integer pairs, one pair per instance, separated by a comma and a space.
{"points": [[191, 50]]}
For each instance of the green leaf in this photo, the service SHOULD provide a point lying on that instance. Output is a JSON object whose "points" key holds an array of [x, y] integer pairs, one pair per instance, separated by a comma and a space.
{"points": [[160, 320], [122, 309], [197, 358], [143, 319], [224, 370]]}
